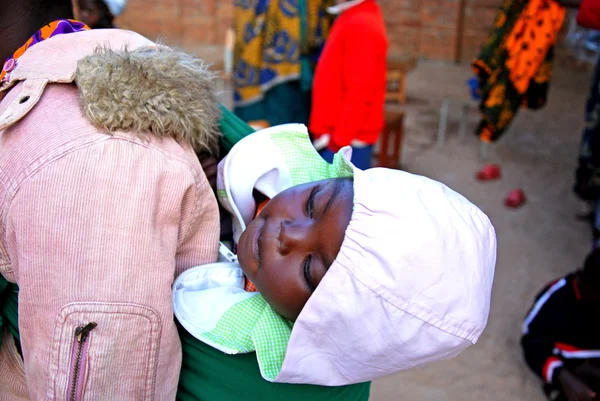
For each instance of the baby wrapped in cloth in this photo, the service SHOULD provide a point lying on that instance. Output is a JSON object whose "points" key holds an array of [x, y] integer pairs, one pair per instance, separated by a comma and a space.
{"points": [[375, 271]]}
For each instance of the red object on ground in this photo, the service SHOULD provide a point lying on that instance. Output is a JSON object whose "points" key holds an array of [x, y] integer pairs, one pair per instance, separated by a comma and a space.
{"points": [[515, 199], [488, 173]]}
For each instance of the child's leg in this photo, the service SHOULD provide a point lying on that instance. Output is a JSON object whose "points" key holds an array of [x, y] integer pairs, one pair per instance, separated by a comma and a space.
{"points": [[327, 155], [362, 156]]}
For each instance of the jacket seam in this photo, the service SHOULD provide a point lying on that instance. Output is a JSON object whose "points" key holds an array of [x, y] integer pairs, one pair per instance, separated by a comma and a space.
{"points": [[197, 183], [13, 188]]}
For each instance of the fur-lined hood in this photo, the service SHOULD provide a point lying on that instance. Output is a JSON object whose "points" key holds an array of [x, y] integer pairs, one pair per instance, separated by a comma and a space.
{"points": [[151, 90], [126, 83]]}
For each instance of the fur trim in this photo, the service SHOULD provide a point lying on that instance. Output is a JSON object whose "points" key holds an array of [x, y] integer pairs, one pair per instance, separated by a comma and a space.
{"points": [[152, 90]]}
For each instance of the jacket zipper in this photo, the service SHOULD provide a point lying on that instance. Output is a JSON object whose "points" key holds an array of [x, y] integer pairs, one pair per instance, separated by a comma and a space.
{"points": [[78, 359]]}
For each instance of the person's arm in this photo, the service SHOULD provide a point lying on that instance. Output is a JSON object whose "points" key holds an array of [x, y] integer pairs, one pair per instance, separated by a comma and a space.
{"points": [[574, 387], [537, 342], [114, 223], [537, 350], [364, 52], [588, 372], [538, 354], [538, 346]]}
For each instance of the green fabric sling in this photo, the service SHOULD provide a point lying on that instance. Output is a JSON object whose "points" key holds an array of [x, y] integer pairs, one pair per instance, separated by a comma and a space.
{"points": [[206, 373], [209, 375], [9, 317]]}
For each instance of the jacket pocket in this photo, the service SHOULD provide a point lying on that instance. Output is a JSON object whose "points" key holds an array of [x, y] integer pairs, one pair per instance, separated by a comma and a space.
{"points": [[102, 350], [78, 368]]}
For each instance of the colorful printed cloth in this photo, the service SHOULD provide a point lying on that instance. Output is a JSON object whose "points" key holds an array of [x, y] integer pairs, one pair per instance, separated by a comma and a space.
{"points": [[515, 65], [275, 41], [54, 28]]}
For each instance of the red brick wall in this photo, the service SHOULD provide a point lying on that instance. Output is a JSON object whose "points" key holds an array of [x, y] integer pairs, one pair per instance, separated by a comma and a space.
{"points": [[404, 25], [191, 24], [478, 17], [446, 30], [439, 38]]}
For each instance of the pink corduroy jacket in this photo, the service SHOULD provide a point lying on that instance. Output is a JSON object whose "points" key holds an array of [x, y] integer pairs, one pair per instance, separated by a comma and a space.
{"points": [[102, 204]]}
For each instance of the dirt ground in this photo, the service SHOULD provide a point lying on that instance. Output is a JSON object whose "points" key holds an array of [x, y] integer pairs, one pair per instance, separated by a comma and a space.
{"points": [[536, 243]]}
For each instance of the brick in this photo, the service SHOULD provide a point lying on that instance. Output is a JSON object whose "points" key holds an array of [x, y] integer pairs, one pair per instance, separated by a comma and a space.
{"points": [[424, 28]]}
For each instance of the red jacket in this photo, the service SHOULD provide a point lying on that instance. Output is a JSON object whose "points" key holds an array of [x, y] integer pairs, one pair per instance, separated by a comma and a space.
{"points": [[350, 80]]}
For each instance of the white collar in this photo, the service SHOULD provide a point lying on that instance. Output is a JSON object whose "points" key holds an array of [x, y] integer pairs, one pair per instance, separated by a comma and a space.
{"points": [[340, 8]]}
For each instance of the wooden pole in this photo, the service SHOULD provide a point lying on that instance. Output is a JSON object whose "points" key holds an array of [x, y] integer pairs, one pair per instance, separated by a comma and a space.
{"points": [[459, 31]]}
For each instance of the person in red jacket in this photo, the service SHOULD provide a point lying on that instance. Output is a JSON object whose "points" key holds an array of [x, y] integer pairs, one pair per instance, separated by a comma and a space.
{"points": [[350, 82]]}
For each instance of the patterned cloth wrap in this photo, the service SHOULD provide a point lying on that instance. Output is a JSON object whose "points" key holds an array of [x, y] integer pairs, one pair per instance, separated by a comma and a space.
{"points": [[54, 28], [273, 40], [210, 301], [514, 67]]}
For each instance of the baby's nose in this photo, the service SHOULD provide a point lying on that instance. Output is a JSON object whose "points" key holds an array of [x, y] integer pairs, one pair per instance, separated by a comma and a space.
{"points": [[294, 236]]}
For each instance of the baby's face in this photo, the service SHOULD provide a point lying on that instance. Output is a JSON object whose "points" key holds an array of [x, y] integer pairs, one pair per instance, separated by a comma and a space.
{"points": [[288, 248], [89, 12]]}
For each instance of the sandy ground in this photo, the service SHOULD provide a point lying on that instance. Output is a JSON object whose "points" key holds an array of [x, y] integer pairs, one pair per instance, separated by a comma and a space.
{"points": [[537, 243]]}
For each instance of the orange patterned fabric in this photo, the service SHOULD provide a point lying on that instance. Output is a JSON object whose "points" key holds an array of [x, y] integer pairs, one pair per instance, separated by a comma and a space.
{"points": [[514, 67], [250, 287], [54, 28], [531, 38]]}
